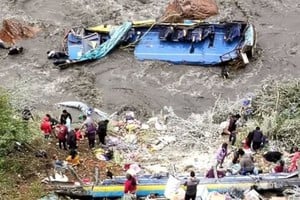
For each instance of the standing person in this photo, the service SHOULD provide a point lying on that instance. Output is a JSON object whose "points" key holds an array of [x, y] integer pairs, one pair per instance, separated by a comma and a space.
{"points": [[52, 120], [191, 187], [101, 131], [221, 154], [62, 134], [257, 138], [71, 140], [64, 116], [26, 114], [46, 127], [68, 124], [78, 134], [87, 120], [232, 128], [53, 123], [249, 139], [130, 187], [91, 135]]}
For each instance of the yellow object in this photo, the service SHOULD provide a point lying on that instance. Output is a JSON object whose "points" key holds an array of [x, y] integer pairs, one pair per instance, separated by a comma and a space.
{"points": [[131, 127], [107, 28], [143, 23], [74, 161], [101, 28]]}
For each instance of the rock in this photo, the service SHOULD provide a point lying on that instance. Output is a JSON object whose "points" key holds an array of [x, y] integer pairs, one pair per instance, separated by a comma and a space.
{"points": [[178, 10], [14, 30]]}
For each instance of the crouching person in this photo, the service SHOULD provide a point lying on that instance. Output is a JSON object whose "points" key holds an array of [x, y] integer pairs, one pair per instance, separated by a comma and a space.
{"points": [[247, 164]]}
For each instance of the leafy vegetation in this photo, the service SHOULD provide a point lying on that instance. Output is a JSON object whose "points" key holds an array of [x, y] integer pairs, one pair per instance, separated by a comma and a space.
{"points": [[13, 163], [12, 128], [277, 109]]}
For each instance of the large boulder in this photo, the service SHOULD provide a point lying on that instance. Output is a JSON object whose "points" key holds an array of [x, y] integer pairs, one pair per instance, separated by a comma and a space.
{"points": [[14, 30], [178, 10]]}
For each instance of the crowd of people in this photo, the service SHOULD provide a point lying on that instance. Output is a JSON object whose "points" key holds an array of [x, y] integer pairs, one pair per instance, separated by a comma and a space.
{"points": [[67, 136], [242, 163]]}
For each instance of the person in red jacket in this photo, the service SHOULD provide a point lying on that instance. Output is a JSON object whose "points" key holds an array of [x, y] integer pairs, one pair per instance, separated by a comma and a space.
{"points": [[62, 135], [46, 127], [130, 185], [78, 134]]}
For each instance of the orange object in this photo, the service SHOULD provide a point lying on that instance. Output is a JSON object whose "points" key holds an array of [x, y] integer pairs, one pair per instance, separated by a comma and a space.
{"points": [[73, 161]]}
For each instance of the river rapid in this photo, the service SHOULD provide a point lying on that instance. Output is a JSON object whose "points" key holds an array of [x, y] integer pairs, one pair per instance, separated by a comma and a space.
{"points": [[120, 80]]}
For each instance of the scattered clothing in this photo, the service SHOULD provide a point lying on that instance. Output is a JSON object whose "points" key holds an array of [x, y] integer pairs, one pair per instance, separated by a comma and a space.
{"points": [[234, 169], [74, 161], [59, 166], [41, 154]]}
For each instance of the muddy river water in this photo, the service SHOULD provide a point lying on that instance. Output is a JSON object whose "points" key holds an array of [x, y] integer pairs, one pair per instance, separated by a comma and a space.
{"points": [[120, 80]]}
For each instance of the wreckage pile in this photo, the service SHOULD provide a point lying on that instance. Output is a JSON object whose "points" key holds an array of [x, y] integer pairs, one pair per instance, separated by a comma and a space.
{"points": [[163, 140]]}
